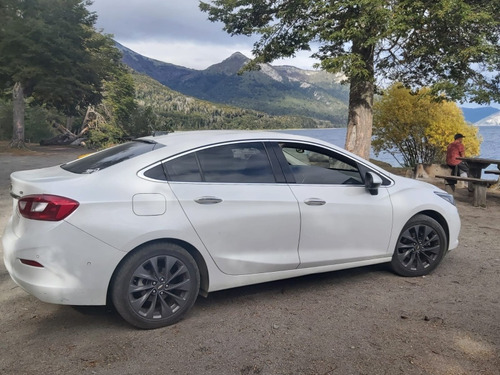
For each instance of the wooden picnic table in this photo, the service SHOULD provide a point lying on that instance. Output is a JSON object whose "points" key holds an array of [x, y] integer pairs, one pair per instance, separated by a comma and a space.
{"points": [[476, 183], [476, 165]]}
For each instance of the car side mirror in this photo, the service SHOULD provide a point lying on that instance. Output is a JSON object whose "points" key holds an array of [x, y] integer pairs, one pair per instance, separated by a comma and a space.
{"points": [[372, 182]]}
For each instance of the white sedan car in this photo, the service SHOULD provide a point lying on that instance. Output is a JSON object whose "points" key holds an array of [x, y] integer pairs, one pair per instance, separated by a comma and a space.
{"points": [[150, 224]]}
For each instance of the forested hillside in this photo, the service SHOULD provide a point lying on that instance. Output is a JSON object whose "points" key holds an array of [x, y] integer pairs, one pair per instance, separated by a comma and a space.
{"points": [[180, 112]]}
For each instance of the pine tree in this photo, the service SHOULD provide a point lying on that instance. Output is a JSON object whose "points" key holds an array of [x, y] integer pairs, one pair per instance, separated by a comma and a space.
{"points": [[49, 50]]}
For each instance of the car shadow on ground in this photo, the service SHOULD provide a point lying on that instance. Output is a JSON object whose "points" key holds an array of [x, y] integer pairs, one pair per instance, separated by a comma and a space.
{"points": [[220, 299], [297, 285]]}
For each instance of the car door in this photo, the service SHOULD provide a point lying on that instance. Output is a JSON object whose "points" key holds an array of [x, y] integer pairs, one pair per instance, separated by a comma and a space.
{"points": [[248, 222], [340, 221]]}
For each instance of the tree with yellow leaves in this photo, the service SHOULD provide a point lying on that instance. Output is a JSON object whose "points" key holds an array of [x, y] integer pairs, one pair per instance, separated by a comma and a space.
{"points": [[418, 128]]}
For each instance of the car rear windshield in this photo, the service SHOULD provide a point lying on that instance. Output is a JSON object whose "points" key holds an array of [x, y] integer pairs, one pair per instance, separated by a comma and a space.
{"points": [[111, 156]]}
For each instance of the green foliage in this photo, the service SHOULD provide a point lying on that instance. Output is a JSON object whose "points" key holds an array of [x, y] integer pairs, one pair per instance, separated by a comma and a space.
{"points": [[50, 52], [119, 98], [105, 135], [38, 122], [47, 46], [144, 122], [419, 127], [113, 120], [5, 119]]}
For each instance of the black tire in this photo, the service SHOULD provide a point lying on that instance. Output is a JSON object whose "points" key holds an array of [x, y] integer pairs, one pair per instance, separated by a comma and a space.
{"points": [[421, 246], [156, 285]]}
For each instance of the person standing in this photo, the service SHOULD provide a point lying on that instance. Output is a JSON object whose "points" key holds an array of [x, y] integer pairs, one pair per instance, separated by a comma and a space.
{"points": [[455, 150]]}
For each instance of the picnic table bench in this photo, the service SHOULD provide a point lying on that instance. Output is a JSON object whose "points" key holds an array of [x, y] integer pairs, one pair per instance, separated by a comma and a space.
{"points": [[479, 185]]}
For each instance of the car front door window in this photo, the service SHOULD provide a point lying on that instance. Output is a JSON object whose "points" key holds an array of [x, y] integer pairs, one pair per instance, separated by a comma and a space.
{"points": [[311, 165]]}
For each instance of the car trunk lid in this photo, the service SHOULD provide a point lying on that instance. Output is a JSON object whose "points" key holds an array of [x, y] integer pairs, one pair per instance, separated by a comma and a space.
{"points": [[52, 180]]}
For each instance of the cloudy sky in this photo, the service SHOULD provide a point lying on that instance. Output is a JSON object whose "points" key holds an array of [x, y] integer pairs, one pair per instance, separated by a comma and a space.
{"points": [[175, 31]]}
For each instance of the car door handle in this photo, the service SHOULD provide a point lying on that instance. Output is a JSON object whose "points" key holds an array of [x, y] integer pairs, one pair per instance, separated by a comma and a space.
{"points": [[208, 200], [314, 202]]}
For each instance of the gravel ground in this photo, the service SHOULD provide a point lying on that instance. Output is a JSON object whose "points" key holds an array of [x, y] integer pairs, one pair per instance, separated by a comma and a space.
{"points": [[360, 321]]}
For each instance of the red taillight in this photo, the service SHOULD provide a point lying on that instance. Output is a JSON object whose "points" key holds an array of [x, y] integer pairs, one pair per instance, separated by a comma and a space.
{"points": [[46, 207]]}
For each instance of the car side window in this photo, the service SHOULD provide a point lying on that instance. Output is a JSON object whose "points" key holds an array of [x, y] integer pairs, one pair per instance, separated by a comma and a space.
{"points": [[232, 163], [237, 163], [156, 173], [313, 165], [184, 169]]}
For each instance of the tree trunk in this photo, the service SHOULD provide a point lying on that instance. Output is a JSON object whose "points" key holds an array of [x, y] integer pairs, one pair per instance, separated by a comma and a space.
{"points": [[86, 119], [18, 116], [69, 122], [360, 120]]}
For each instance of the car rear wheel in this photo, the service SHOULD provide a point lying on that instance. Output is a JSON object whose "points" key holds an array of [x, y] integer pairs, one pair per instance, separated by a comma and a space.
{"points": [[420, 247], [156, 286]]}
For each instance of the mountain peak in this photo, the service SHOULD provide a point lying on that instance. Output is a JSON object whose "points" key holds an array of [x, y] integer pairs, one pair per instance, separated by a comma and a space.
{"points": [[231, 65], [238, 55]]}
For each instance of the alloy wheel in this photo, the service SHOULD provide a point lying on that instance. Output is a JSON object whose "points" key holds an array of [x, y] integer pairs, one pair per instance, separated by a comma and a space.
{"points": [[418, 248], [159, 287]]}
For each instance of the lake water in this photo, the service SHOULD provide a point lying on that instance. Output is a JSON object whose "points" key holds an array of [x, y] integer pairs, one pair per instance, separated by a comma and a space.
{"points": [[490, 148]]}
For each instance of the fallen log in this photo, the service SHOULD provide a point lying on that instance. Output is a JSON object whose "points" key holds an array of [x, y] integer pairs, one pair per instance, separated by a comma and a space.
{"points": [[60, 139]]}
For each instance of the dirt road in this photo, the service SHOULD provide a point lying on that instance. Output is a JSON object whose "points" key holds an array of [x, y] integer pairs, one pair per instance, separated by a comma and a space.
{"points": [[361, 321]]}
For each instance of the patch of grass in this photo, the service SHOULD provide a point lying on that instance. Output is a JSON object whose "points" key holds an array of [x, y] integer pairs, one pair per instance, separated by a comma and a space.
{"points": [[6, 149]]}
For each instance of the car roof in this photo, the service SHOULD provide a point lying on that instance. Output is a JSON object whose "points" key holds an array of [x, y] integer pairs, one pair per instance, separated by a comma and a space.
{"points": [[194, 139]]}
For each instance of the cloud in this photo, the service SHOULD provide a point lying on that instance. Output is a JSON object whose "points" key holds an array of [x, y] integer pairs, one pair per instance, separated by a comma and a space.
{"points": [[189, 54], [157, 20]]}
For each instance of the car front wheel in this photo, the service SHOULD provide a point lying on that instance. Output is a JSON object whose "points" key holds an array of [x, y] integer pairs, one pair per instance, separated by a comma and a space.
{"points": [[156, 286], [420, 247]]}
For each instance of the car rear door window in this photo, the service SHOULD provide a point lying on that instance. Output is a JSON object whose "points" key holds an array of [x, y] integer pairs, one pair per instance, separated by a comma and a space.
{"points": [[231, 163], [246, 162], [183, 169], [156, 173]]}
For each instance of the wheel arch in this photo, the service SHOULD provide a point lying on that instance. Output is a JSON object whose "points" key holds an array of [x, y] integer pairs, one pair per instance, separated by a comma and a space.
{"points": [[193, 251]]}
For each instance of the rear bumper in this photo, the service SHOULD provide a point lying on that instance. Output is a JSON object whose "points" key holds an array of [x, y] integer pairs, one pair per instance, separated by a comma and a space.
{"points": [[77, 268]]}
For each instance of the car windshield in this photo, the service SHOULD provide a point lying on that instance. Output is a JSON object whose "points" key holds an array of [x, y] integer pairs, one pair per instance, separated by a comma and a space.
{"points": [[111, 156]]}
